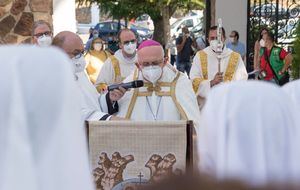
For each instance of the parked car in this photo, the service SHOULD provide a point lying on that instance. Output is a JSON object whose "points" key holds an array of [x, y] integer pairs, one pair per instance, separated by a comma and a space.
{"points": [[143, 33], [197, 30], [189, 21], [144, 21]]}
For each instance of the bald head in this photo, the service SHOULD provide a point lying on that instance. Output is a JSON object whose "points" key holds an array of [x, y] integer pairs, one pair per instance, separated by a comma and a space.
{"points": [[70, 42]]}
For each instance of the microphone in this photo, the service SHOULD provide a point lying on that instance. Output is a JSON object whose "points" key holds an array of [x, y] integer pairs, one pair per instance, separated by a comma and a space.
{"points": [[133, 84]]}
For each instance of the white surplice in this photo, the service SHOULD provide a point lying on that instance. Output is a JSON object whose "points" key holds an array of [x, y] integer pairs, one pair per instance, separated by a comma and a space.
{"points": [[107, 72], [90, 105], [162, 108], [42, 141], [212, 68], [248, 132]]}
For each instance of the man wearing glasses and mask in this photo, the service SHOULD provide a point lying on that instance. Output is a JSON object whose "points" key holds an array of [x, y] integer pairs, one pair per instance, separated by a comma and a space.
{"points": [[117, 67], [206, 72], [89, 97], [42, 33], [167, 94]]}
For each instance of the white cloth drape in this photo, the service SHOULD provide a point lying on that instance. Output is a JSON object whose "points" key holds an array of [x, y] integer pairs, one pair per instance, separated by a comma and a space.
{"points": [[43, 146], [247, 131]]}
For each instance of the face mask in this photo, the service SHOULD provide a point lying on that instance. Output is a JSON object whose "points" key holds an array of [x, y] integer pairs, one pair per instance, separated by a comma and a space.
{"points": [[44, 41], [95, 35], [79, 64], [262, 43], [98, 47], [152, 73], [214, 45], [231, 40], [130, 48]]}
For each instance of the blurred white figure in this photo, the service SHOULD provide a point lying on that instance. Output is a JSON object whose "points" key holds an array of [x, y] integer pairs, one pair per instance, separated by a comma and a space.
{"points": [[293, 90], [248, 132], [42, 141]]}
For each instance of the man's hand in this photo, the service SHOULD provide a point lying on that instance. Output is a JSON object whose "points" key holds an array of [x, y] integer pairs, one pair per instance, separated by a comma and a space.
{"points": [[218, 79], [116, 94]]}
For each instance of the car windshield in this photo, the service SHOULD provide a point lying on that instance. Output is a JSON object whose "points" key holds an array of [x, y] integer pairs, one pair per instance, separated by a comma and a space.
{"points": [[176, 23]]}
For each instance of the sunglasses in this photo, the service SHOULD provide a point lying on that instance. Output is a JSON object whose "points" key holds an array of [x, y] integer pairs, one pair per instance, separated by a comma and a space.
{"points": [[47, 33]]}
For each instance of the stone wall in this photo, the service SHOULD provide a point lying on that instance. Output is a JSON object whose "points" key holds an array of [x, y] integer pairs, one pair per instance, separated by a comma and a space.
{"points": [[18, 16]]}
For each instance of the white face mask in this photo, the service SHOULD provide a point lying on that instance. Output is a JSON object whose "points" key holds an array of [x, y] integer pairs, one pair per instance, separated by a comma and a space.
{"points": [[98, 47], [130, 48], [262, 43], [79, 64], [152, 73], [44, 41], [214, 45], [231, 40]]}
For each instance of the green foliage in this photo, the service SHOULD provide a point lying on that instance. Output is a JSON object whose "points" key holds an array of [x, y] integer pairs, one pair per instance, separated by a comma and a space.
{"points": [[128, 9], [296, 55]]}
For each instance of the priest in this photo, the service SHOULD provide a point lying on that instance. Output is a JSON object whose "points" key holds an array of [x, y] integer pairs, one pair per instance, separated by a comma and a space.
{"points": [[212, 66]]}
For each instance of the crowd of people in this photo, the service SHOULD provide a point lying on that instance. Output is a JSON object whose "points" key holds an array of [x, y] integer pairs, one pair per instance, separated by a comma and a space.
{"points": [[245, 130]]}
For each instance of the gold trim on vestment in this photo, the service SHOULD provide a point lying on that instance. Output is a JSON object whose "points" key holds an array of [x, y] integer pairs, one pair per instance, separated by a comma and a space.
{"points": [[230, 70], [133, 98], [203, 60], [158, 92], [173, 89], [196, 83], [116, 65], [101, 87]]}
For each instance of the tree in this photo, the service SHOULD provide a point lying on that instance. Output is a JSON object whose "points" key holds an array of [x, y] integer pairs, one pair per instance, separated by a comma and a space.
{"points": [[159, 10], [296, 60]]}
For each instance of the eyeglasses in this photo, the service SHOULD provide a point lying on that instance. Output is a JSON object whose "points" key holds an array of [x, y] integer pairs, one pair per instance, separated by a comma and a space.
{"points": [[76, 54], [47, 33], [129, 41]]}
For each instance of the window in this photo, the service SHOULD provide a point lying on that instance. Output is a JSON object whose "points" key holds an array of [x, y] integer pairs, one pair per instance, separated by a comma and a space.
{"points": [[189, 23]]}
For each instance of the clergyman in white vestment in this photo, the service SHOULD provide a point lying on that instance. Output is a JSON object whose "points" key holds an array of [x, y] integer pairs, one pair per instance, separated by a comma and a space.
{"points": [[205, 72], [119, 66], [167, 93]]}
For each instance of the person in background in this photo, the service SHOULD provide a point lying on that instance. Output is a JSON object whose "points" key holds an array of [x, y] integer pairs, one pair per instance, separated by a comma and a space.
{"points": [[260, 42], [117, 67], [91, 32], [274, 62], [112, 43], [184, 44], [95, 58], [235, 45], [201, 42], [171, 46], [95, 34], [42, 33]]}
